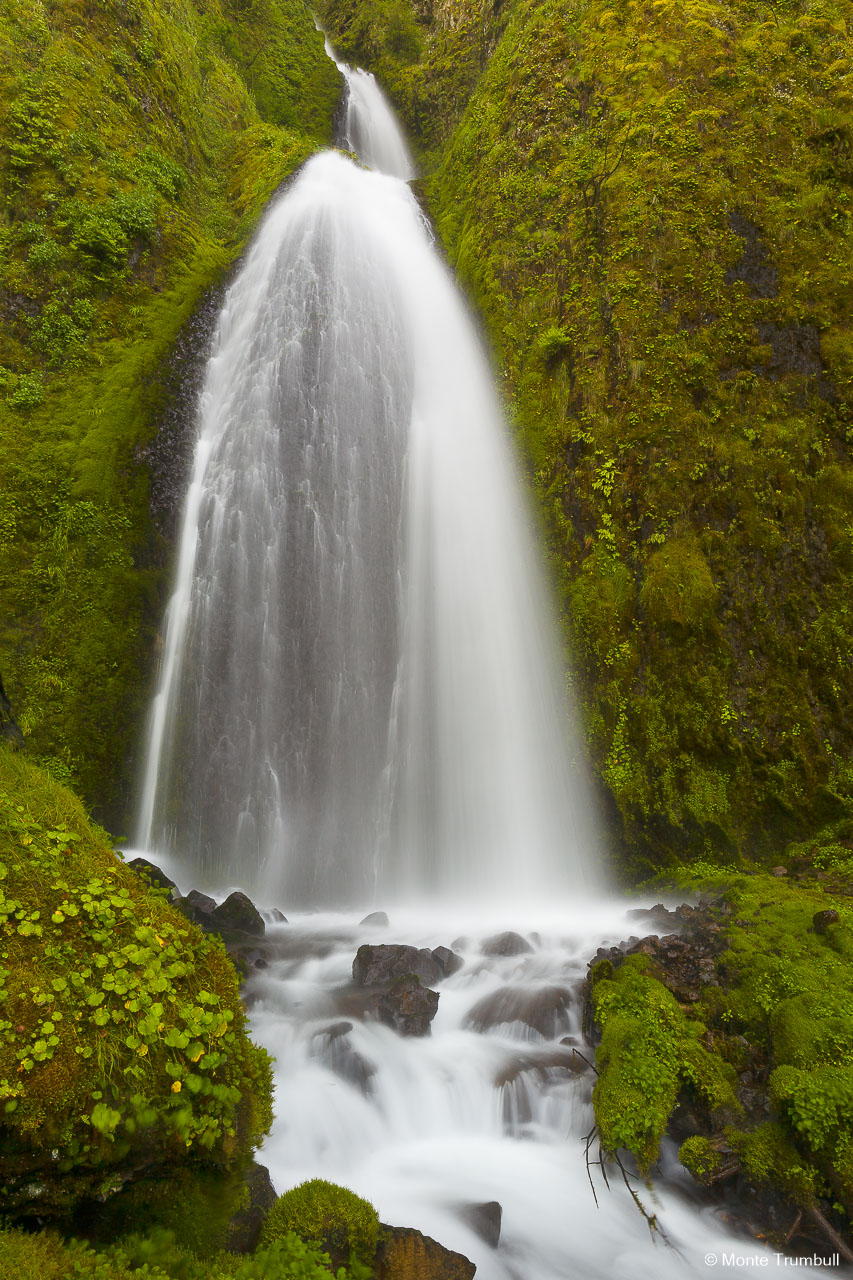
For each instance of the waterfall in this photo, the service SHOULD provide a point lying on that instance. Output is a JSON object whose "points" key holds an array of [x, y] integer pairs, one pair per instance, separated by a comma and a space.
{"points": [[361, 694]]}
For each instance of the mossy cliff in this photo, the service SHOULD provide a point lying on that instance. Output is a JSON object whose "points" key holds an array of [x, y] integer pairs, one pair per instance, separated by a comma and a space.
{"points": [[138, 144], [650, 205]]}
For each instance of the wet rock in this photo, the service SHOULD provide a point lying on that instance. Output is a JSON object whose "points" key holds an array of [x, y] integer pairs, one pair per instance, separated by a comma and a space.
{"points": [[543, 1009], [238, 914], [406, 1006], [196, 905], [153, 874], [331, 1047], [823, 919], [448, 961], [506, 944], [405, 1254], [548, 1063], [244, 1229], [485, 1220], [385, 962], [377, 918], [779, 871], [658, 919], [278, 916]]}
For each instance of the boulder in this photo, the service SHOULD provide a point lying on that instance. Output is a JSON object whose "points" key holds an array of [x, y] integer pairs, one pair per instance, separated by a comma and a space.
{"points": [[405, 1254], [278, 916], [549, 1062], [448, 961], [238, 914], [377, 918], [406, 1006], [332, 1047], [823, 919], [543, 1009], [383, 963], [485, 1220], [506, 944], [152, 874], [244, 1229]]}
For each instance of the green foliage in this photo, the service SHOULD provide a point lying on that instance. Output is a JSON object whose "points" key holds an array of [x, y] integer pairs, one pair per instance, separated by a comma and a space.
{"points": [[122, 1039], [156, 1256], [699, 1157], [333, 1217], [138, 145]]}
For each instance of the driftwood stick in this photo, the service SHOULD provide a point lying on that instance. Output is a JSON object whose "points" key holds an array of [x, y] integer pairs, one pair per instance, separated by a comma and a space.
{"points": [[831, 1234]]}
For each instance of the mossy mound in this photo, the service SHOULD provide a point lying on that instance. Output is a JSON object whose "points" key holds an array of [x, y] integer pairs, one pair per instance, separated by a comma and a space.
{"points": [[123, 1050], [338, 1220], [139, 143], [650, 206]]}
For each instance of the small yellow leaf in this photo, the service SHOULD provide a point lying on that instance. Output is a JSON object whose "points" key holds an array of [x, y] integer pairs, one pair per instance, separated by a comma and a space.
{"points": [[176, 1086]]}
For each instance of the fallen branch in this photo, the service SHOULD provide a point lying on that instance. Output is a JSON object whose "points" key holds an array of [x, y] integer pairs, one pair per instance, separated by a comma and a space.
{"points": [[831, 1234]]}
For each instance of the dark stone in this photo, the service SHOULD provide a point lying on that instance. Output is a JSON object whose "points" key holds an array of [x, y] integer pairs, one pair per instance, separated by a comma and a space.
{"points": [[543, 1009], [485, 1220], [244, 1229], [377, 918], [152, 873], [823, 919], [405, 1254], [10, 733], [753, 267], [506, 944], [448, 961], [406, 1006], [238, 914], [375, 964]]}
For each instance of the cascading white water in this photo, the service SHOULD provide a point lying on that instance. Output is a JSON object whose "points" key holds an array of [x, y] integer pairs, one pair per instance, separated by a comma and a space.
{"points": [[360, 696]]}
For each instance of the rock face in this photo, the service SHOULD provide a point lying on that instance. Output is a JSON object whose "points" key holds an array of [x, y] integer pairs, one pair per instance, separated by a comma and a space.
{"points": [[405, 1254], [377, 918], [9, 731], [244, 1229]]}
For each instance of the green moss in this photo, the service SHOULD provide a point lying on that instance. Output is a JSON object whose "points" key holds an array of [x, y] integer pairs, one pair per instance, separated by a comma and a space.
{"points": [[770, 1158], [122, 1039], [699, 1157], [333, 1217]]}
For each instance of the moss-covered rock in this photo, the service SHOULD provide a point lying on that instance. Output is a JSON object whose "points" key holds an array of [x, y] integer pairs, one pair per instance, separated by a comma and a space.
{"points": [[336, 1219], [123, 1050]]}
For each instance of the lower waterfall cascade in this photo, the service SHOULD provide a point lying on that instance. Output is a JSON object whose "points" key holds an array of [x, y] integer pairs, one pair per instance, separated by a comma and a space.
{"points": [[360, 704]]}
